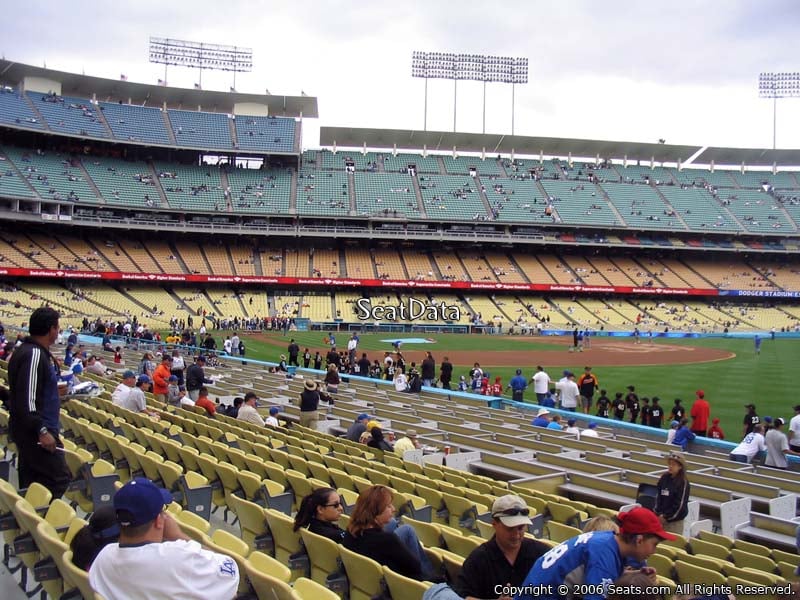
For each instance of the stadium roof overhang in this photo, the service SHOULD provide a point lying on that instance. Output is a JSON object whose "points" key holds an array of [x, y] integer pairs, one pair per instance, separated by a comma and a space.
{"points": [[441, 141], [502, 144], [86, 86], [753, 157]]}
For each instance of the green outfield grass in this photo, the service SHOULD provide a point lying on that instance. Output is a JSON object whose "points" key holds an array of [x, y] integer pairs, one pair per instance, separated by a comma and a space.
{"points": [[764, 380]]}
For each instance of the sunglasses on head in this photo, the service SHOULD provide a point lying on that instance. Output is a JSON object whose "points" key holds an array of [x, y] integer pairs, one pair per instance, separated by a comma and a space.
{"points": [[512, 512]]}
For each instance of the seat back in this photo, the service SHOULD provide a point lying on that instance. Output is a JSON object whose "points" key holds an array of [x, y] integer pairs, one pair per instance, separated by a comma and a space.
{"points": [[323, 553], [404, 587], [266, 586], [364, 575]]}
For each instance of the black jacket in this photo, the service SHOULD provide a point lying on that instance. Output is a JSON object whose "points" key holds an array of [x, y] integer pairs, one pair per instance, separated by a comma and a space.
{"points": [[385, 549], [673, 498], [33, 382], [309, 400], [195, 377]]}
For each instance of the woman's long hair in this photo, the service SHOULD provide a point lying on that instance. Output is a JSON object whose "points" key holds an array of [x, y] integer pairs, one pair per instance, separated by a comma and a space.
{"points": [[309, 505], [371, 502]]}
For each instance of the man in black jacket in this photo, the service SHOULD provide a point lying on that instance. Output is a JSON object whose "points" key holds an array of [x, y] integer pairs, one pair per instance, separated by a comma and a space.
{"points": [[35, 406], [294, 352], [428, 368], [446, 373], [196, 377]]}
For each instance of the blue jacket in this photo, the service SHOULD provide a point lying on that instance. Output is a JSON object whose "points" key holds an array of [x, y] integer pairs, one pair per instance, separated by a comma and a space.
{"points": [[683, 436], [518, 383]]}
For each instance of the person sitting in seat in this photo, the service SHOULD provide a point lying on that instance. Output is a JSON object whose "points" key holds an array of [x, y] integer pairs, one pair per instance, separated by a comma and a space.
{"points": [[373, 532]]}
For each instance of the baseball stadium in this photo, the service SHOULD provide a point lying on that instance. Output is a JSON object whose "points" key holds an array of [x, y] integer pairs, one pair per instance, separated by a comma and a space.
{"points": [[667, 269]]}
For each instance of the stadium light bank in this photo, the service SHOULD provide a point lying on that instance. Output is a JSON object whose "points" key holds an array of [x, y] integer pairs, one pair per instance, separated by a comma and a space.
{"points": [[471, 67], [200, 55], [778, 85]]}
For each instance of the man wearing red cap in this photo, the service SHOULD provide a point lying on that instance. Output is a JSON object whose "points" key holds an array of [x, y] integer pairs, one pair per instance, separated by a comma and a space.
{"points": [[700, 412], [594, 559]]}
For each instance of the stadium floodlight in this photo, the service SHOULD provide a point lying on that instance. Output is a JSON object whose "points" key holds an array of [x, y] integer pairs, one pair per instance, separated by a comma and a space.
{"points": [[471, 67], [778, 85], [200, 55]]}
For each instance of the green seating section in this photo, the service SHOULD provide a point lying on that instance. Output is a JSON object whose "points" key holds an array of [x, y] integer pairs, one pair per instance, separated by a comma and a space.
{"points": [[699, 209], [641, 206], [191, 187], [517, 200], [578, 206], [323, 193], [757, 211], [384, 193], [11, 184], [697, 176], [260, 191], [640, 174], [425, 164], [451, 197], [754, 179], [462, 165], [53, 175], [338, 161], [122, 182]]}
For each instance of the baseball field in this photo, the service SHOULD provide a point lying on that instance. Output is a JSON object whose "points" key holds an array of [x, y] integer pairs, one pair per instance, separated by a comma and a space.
{"points": [[728, 370]]}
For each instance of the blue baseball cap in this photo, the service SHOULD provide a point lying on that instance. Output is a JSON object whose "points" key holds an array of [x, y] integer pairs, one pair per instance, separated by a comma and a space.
{"points": [[140, 501], [274, 410], [362, 416], [128, 374], [143, 379]]}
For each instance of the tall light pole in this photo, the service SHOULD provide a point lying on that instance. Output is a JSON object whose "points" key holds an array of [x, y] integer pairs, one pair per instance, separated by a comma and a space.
{"points": [[778, 85], [472, 67]]}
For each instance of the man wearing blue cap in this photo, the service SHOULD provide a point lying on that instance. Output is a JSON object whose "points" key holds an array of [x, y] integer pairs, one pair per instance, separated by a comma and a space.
{"points": [[358, 427], [120, 394], [136, 400], [154, 559], [518, 384]]}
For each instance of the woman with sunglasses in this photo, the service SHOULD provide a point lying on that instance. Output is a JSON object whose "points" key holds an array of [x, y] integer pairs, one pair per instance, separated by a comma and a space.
{"points": [[319, 512], [672, 501], [373, 532]]}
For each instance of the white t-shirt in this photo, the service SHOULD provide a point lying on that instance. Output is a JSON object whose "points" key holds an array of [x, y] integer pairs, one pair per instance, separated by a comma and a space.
{"points": [[590, 433], [401, 382], [135, 401], [227, 345], [177, 363], [752, 444], [250, 415], [569, 393], [272, 421], [179, 570], [794, 427], [120, 394], [540, 381]]}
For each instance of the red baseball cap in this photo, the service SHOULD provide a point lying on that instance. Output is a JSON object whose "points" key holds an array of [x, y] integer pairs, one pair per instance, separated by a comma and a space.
{"points": [[642, 521], [701, 394]]}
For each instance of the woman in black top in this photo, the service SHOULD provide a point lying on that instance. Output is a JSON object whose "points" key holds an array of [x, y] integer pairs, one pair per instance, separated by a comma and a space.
{"points": [[365, 535], [673, 495], [378, 441], [319, 512]]}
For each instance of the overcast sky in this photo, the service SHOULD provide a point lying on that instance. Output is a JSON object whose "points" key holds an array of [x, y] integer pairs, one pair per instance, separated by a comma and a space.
{"points": [[635, 71]]}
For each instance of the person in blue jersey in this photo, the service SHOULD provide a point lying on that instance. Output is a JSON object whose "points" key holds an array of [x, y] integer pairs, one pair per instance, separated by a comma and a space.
{"points": [[517, 386], [595, 559]]}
